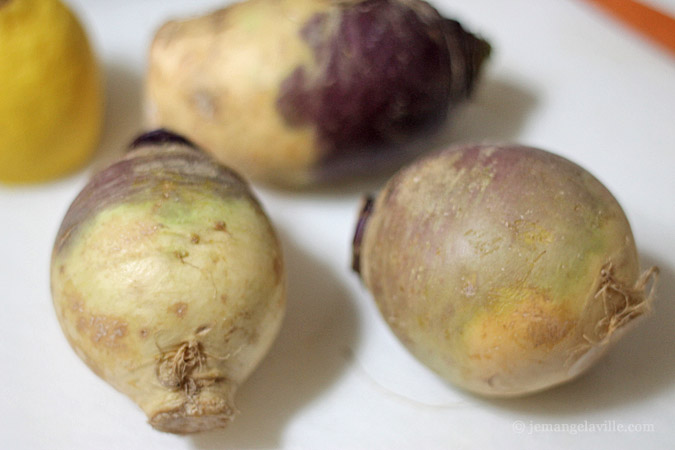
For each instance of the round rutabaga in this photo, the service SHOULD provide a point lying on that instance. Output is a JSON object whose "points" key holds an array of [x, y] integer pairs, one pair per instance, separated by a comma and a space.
{"points": [[168, 281], [295, 92], [506, 270]]}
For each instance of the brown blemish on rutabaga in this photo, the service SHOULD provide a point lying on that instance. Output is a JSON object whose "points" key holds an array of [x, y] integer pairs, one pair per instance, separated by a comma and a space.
{"points": [[202, 329], [181, 254], [228, 335], [76, 305], [143, 333], [179, 309], [194, 238], [547, 330], [104, 330], [242, 332], [205, 104], [221, 226]]}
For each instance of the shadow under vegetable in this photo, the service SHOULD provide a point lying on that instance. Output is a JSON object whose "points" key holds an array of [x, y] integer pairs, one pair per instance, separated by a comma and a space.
{"points": [[123, 113], [320, 325], [496, 112]]}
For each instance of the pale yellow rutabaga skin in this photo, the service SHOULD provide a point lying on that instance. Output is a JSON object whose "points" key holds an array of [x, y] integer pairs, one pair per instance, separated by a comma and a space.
{"points": [[207, 75], [507, 270], [175, 292]]}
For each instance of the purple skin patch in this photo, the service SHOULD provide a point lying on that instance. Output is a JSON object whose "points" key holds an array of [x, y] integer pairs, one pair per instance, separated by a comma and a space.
{"points": [[389, 73], [158, 137], [364, 215]]}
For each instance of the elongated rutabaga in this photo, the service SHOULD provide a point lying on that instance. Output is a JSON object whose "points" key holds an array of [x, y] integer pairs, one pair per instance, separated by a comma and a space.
{"points": [[294, 92], [168, 281]]}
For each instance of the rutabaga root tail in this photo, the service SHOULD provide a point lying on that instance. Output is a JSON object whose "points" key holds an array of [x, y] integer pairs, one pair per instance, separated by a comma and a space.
{"points": [[178, 369], [205, 397], [622, 303]]}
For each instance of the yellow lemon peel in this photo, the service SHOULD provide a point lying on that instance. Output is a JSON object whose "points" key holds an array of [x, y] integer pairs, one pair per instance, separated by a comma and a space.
{"points": [[51, 89]]}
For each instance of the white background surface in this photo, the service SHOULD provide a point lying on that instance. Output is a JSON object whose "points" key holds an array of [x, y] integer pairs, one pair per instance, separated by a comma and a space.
{"points": [[562, 77]]}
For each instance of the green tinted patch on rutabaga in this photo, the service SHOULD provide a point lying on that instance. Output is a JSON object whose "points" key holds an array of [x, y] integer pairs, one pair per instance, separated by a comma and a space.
{"points": [[186, 208], [171, 226], [125, 242]]}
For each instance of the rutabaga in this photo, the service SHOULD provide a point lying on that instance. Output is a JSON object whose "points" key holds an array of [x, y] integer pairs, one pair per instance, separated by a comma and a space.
{"points": [[506, 269], [168, 281]]}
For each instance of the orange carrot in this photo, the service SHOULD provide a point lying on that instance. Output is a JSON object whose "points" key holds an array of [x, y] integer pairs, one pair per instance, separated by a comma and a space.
{"points": [[652, 23]]}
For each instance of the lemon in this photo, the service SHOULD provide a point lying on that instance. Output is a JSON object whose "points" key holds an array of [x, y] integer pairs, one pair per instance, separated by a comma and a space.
{"points": [[51, 95]]}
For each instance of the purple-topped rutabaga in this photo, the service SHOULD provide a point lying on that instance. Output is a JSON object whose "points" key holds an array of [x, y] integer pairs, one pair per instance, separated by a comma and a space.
{"points": [[300, 91], [168, 281], [505, 269]]}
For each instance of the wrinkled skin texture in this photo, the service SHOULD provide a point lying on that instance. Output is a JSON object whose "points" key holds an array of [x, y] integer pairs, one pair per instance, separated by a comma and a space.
{"points": [[294, 92], [506, 270], [168, 281]]}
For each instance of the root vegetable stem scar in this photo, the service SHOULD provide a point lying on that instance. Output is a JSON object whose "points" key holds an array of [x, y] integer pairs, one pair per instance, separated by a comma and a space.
{"points": [[176, 369], [621, 305]]}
